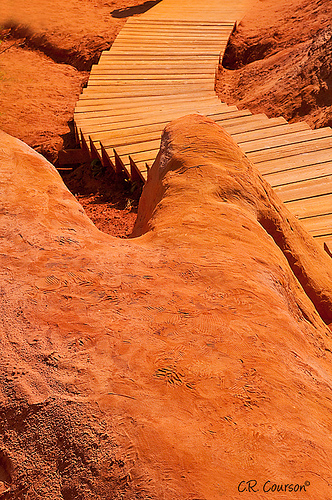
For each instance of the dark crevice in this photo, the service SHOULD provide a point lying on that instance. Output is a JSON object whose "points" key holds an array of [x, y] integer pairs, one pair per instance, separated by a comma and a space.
{"points": [[238, 53], [319, 299]]}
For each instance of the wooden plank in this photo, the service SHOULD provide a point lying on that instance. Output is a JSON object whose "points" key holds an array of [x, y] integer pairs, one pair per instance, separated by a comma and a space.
{"points": [[131, 104], [303, 136], [126, 122], [305, 189], [166, 52], [174, 35], [171, 39], [130, 63], [118, 114], [318, 226], [202, 82], [149, 118], [156, 72], [291, 150], [311, 207], [128, 102], [131, 149], [144, 156], [131, 88], [134, 145], [167, 28], [146, 104], [166, 45], [274, 128], [183, 90], [137, 76], [113, 86], [116, 138], [247, 124], [295, 161], [167, 57], [326, 242], [173, 27], [145, 21], [299, 174]]}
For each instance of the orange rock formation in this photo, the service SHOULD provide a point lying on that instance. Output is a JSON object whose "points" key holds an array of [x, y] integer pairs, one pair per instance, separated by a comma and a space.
{"points": [[179, 364]]}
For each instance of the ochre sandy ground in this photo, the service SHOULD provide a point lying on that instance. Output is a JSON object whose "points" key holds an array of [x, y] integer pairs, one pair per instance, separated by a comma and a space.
{"points": [[176, 365]]}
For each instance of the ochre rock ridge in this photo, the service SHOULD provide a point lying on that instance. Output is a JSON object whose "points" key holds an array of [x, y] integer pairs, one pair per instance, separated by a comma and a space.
{"points": [[178, 364]]}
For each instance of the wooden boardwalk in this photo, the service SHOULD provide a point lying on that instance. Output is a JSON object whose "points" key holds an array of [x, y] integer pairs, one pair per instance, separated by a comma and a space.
{"points": [[162, 66]]}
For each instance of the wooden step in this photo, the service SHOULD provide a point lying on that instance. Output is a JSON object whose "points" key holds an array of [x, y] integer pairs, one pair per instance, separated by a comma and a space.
{"points": [[210, 46], [142, 73], [305, 189], [128, 102], [130, 106], [291, 150], [311, 207], [246, 124], [150, 150], [167, 52], [110, 83], [132, 149], [173, 22], [287, 140], [126, 121], [170, 39], [129, 63], [302, 159], [160, 115], [163, 58], [299, 174], [325, 241], [319, 225], [112, 91], [174, 35], [105, 98], [142, 157], [137, 105], [110, 132], [138, 77], [161, 66], [274, 129]]}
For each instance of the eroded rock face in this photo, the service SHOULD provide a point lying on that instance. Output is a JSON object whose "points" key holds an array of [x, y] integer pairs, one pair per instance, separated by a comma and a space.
{"points": [[178, 364], [279, 62]]}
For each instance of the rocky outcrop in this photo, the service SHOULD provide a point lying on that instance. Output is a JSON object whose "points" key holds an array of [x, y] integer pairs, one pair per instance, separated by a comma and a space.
{"points": [[181, 363], [280, 62]]}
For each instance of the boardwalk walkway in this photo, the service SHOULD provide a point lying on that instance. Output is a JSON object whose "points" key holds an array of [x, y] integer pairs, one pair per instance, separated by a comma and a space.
{"points": [[162, 66]]}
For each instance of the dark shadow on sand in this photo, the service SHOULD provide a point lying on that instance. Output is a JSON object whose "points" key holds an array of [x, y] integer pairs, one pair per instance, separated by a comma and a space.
{"points": [[137, 9]]}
